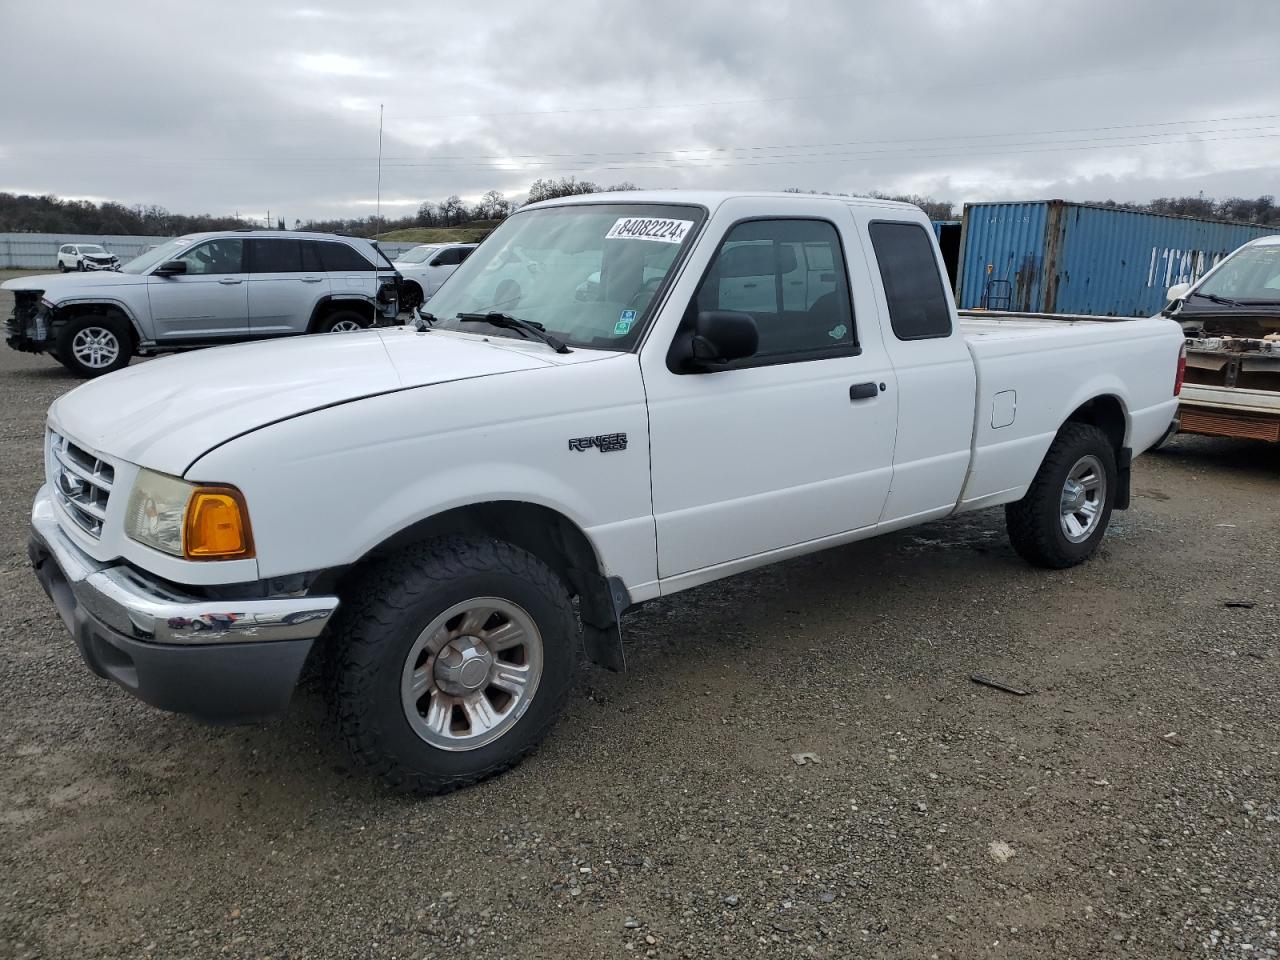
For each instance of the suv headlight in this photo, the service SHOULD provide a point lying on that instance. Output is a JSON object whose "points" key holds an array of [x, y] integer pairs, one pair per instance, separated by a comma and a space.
{"points": [[198, 522]]}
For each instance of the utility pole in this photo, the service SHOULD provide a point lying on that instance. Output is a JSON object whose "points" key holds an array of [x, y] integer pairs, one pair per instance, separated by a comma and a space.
{"points": [[378, 215]]}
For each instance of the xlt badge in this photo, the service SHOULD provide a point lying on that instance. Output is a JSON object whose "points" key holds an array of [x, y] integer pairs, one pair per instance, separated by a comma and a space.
{"points": [[605, 442]]}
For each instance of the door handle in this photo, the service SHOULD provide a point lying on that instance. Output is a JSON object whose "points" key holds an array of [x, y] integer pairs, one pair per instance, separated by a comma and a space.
{"points": [[229, 280], [311, 279], [863, 391]]}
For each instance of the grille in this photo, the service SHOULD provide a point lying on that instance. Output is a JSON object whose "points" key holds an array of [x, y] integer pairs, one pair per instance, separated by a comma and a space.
{"points": [[81, 483]]}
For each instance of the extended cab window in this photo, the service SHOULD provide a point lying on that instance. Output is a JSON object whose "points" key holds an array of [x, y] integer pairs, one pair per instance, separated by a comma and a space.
{"points": [[913, 287], [340, 258], [275, 256], [789, 275], [214, 257], [449, 258]]}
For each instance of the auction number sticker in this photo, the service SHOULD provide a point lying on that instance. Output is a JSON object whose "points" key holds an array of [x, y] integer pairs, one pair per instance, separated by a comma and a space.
{"points": [[649, 228]]}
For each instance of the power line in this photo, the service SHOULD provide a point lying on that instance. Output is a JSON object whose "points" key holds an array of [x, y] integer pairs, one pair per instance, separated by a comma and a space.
{"points": [[1197, 65]]}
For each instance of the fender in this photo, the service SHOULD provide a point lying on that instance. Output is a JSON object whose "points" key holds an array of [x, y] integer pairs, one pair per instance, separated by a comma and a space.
{"points": [[120, 305]]}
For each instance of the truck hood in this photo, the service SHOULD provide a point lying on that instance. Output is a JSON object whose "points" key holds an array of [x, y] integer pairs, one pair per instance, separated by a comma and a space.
{"points": [[59, 285], [166, 413]]}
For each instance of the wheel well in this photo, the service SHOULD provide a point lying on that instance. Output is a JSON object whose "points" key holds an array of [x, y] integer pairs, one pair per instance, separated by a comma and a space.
{"points": [[547, 534], [329, 306], [1107, 414], [107, 310]]}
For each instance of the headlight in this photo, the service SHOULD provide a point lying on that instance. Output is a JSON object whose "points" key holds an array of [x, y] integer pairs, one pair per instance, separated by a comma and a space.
{"points": [[188, 520]]}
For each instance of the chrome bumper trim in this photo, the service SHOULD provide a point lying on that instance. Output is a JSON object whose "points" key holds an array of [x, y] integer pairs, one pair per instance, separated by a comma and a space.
{"points": [[128, 601]]}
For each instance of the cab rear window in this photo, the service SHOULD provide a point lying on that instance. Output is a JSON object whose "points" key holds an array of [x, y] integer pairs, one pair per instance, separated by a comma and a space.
{"points": [[913, 288]]}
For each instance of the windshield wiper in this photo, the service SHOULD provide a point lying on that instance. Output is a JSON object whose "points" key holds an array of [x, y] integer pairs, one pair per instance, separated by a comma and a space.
{"points": [[1225, 301], [529, 328]]}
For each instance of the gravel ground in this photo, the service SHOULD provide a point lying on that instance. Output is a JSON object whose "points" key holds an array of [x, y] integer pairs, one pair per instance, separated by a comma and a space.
{"points": [[1130, 806]]}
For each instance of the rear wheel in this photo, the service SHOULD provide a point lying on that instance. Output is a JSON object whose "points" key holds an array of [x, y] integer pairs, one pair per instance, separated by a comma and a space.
{"points": [[93, 345], [62, 267], [342, 321], [452, 660], [1063, 517]]}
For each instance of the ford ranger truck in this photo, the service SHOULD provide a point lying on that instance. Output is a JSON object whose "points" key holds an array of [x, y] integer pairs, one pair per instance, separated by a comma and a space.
{"points": [[688, 385], [1231, 319]]}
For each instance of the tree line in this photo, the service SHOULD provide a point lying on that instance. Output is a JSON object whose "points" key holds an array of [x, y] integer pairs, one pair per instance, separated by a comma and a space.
{"points": [[20, 213], [490, 209]]}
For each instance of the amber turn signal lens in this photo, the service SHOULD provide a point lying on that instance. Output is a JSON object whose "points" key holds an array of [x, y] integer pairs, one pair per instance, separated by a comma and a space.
{"points": [[217, 525]]}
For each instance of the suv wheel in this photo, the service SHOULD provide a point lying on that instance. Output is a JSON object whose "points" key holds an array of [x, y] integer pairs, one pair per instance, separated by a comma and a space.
{"points": [[452, 661], [342, 321], [62, 267], [80, 265], [93, 345]]}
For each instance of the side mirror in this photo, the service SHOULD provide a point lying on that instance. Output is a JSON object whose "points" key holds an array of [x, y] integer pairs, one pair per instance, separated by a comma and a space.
{"points": [[436, 262], [1178, 291], [170, 268], [723, 335]]}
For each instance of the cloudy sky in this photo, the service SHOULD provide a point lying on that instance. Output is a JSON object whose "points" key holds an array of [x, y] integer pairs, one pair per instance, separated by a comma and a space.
{"points": [[243, 107]]}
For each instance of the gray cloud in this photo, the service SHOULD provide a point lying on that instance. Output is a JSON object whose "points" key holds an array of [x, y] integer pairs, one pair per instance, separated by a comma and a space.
{"points": [[250, 106]]}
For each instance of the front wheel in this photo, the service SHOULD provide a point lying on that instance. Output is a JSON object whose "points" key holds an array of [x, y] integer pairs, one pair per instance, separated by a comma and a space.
{"points": [[1063, 517], [91, 346], [452, 661]]}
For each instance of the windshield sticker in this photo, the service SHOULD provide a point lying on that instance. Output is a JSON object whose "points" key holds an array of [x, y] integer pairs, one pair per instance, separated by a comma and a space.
{"points": [[649, 228], [624, 323]]}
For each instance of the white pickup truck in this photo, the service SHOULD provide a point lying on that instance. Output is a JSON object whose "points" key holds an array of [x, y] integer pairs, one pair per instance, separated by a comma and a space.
{"points": [[687, 386]]}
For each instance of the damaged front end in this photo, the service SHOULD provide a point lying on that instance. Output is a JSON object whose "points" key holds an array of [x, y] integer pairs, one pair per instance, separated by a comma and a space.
{"points": [[30, 327]]}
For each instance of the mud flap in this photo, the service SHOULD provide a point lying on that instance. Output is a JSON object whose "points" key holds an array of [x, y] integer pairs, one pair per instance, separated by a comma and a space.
{"points": [[601, 610], [1124, 471]]}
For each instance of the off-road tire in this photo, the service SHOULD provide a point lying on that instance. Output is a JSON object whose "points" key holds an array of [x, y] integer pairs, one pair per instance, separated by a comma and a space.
{"points": [[1034, 522], [330, 320], [381, 617], [64, 353]]}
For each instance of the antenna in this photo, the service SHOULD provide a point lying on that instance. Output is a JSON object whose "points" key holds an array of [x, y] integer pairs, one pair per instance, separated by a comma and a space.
{"points": [[378, 215]]}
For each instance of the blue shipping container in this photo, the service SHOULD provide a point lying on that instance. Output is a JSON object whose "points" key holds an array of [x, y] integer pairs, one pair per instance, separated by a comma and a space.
{"points": [[1051, 256]]}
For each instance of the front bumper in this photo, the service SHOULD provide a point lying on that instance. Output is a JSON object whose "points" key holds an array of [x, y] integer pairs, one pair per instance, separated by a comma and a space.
{"points": [[91, 265], [222, 661]]}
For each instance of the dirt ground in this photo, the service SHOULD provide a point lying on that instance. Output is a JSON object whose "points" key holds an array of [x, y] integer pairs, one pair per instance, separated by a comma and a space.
{"points": [[1129, 806]]}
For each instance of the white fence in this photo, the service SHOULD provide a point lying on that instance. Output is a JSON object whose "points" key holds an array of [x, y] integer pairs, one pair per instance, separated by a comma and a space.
{"points": [[39, 251]]}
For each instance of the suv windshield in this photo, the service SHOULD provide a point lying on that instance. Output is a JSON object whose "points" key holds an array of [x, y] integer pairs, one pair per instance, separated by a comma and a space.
{"points": [[587, 272], [416, 255], [91, 248], [166, 251], [1252, 275]]}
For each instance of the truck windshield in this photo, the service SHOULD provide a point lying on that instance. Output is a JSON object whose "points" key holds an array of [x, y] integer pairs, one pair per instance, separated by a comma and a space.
{"points": [[587, 272], [1251, 276], [166, 251]]}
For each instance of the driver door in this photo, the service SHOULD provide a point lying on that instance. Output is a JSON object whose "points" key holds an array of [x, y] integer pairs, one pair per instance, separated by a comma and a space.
{"points": [[209, 301], [794, 445]]}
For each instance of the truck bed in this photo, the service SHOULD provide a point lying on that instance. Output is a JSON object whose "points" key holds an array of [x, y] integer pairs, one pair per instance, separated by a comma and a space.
{"points": [[1031, 367]]}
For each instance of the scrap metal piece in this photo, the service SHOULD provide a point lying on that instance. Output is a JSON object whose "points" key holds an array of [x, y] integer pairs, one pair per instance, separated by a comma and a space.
{"points": [[997, 685]]}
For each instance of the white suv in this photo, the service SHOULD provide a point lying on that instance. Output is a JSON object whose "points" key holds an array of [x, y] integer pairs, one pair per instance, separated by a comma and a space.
{"points": [[86, 256], [425, 268], [201, 290]]}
